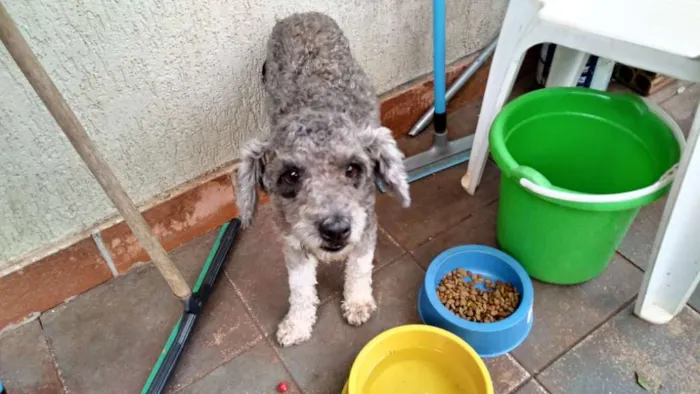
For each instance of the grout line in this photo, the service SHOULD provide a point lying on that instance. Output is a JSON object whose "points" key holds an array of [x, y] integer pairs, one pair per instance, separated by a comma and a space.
{"points": [[440, 233], [697, 310], [276, 350], [688, 304], [54, 360], [246, 306], [261, 330], [337, 294], [415, 260], [528, 377], [546, 390], [97, 238], [629, 261], [585, 336], [379, 265], [382, 267], [523, 383], [244, 349], [643, 271], [391, 237], [30, 317]]}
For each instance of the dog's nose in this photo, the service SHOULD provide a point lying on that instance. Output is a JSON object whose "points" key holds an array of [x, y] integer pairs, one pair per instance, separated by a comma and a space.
{"points": [[334, 229]]}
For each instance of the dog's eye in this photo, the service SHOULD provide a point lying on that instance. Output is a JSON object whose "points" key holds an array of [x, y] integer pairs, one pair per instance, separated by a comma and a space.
{"points": [[353, 170], [291, 177]]}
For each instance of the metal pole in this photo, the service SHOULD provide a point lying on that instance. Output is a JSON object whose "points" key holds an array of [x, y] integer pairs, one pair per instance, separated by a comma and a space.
{"points": [[66, 119], [469, 72]]}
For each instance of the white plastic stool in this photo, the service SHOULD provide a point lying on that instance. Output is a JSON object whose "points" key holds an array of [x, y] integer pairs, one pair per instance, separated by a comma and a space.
{"points": [[656, 35], [673, 272]]}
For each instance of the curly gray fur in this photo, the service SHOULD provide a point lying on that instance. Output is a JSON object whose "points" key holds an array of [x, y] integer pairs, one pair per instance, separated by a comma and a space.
{"points": [[320, 163]]}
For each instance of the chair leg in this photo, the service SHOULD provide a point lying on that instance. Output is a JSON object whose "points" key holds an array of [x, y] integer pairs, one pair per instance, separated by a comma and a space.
{"points": [[504, 70], [674, 269], [567, 66], [519, 26], [603, 73]]}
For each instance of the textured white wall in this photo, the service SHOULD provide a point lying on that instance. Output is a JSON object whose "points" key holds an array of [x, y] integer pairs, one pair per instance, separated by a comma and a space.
{"points": [[170, 89]]}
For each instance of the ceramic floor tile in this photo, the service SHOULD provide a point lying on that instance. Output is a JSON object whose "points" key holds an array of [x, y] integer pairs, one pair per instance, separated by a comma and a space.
{"points": [[256, 371], [322, 364], [461, 122], [479, 228], [223, 330], [639, 241], [122, 326], [673, 89], [256, 267], [531, 387], [563, 315], [506, 373], [667, 357], [438, 203], [682, 106], [26, 364]]}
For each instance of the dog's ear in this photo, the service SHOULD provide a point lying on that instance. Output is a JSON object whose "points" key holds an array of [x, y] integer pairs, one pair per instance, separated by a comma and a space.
{"points": [[388, 162], [250, 176]]}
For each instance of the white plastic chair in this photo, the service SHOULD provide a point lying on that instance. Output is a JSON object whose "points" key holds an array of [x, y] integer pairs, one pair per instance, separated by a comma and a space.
{"points": [[656, 35]]}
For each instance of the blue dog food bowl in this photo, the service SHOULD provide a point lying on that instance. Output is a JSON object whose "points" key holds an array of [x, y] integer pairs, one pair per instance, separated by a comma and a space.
{"points": [[488, 339]]}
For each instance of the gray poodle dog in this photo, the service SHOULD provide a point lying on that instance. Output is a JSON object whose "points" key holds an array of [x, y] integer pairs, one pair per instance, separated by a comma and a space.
{"points": [[319, 165]]}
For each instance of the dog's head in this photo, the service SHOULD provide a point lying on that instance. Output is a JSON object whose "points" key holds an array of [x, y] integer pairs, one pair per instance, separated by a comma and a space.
{"points": [[320, 171]]}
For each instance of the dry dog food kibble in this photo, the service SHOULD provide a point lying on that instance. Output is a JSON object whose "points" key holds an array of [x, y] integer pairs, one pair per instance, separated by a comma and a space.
{"points": [[459, 293]]}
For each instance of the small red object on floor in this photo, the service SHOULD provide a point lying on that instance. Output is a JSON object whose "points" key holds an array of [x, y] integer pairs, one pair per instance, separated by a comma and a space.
{"points": [[282, 387]]}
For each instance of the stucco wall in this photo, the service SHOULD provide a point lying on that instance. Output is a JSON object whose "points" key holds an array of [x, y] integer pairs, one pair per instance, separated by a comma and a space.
{"points": [[169, 90]]}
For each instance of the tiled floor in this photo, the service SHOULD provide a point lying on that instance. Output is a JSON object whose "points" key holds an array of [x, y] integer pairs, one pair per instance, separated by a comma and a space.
{"points": [[585, 338]]}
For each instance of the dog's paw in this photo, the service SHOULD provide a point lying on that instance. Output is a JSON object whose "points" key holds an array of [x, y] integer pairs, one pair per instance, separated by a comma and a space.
{"points": [[357, 312], [293, 332]]}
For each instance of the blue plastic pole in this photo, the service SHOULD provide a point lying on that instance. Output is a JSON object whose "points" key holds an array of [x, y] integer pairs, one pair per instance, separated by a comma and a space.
{"points": [[439, 64]]}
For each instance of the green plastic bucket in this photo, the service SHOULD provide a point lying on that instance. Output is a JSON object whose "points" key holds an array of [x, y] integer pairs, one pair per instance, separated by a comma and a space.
{"points": [[576, 166]]}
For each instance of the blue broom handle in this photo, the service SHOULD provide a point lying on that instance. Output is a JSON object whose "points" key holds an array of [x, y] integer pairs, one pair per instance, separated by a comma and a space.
{"points": [[439, 54]]}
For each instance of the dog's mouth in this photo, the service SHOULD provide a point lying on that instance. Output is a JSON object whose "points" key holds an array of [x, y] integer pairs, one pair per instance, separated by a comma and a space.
{"points": [[333, 248]]}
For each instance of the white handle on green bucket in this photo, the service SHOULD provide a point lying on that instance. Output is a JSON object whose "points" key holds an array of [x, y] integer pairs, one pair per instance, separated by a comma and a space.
{"points": [[666, 118], [663, 181]]}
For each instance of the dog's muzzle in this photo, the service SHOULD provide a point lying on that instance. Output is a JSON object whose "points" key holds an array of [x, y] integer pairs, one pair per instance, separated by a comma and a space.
{"points": [[334, 232]]}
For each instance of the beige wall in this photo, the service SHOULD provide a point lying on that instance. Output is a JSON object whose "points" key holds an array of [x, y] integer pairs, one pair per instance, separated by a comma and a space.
{"points": [[169, 90]]}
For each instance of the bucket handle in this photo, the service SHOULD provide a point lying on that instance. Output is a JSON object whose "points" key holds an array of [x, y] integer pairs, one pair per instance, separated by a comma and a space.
{"points": [[663, 181], [666, 118]]}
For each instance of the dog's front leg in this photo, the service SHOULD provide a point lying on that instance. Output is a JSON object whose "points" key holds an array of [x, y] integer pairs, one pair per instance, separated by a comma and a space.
{"points": [[358, 303], [299, 322]]}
